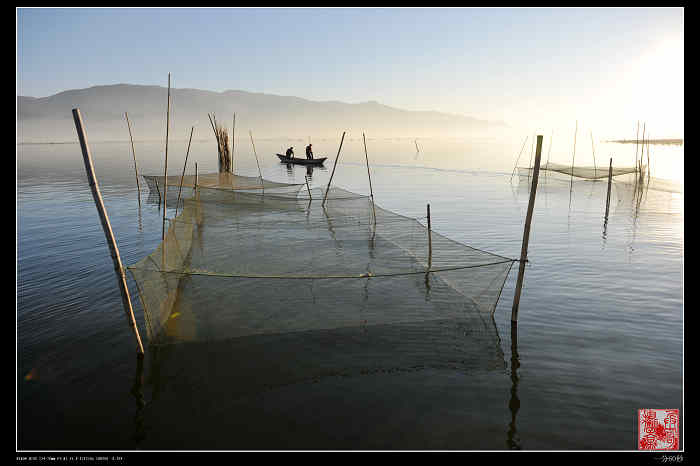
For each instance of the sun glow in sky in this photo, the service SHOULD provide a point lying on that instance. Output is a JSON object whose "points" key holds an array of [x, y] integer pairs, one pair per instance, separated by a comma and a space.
{"points": [[544, 67]]}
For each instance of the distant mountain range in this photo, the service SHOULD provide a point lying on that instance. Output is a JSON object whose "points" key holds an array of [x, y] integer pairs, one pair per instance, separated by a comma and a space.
{"points": [[49, 119]]}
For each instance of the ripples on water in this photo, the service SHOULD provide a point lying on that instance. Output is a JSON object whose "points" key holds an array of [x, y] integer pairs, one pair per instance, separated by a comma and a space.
{"points": [[600, 332]]}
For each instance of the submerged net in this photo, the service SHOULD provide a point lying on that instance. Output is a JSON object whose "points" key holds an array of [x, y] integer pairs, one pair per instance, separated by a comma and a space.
{"points": [[247, 258]]}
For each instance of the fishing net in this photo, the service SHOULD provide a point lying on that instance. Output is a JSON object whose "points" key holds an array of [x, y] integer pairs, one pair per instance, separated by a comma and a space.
{"points": [[591, 173], [248, 258]]}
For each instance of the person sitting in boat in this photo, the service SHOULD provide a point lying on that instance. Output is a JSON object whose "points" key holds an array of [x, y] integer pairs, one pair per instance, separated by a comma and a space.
{"points": [[290, 152], [309, 152]]}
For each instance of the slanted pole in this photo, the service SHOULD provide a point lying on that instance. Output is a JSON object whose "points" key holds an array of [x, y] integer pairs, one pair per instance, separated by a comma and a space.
{"points": [[607, 202], [371, 193], [518, 159], [179, 191], [256, 159], [133, 152], [526, 232], [333, 172], [306, 179], [111, 242], [165, 174], [430, 241], [573, 157]]}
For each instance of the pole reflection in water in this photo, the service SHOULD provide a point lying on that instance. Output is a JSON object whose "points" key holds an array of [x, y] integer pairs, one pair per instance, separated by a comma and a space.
{"points": [[137, 392], [513, 441]]}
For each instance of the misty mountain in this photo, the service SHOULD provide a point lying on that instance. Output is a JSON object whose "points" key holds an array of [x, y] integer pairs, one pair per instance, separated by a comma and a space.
{"points": [[268, 116]]}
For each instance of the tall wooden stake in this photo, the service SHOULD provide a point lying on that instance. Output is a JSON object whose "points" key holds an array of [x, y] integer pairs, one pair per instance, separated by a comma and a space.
{"points": [[165, 177], [518, 159], [641, 154], [333, 172], [233, 141], [133, 152], [526, 233], [256, 159], [111, 242], [306, 179], [636, 146], [648, 159], [607, 202], [430, 241], [571, 186], [595, 168], [177, 204], [371, 193]]}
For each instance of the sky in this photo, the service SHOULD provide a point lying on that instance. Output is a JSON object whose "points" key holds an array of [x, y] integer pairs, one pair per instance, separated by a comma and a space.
{"points": [[606, 68]]}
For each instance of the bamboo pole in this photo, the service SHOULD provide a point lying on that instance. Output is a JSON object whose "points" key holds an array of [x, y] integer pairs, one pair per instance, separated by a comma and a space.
{"points": [[325, 196], [233, 141], [165, 174], [526, 232], [641, 156], [111, 242], [306, 179], [571, 186], [607, 202], [518, 159], [648, 159], [636, 146], [430, 242], [371, 193], [529, 164], [595, 168], [196, 176], [256, 160], [549, 152], [133, 152], [177, 204]]}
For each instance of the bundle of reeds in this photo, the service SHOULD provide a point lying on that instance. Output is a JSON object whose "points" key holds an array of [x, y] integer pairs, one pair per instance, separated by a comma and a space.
{"points": [[222, 141]]}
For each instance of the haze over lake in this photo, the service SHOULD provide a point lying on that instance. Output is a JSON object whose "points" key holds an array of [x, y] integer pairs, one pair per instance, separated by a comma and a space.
{"points": [[275, 316]]}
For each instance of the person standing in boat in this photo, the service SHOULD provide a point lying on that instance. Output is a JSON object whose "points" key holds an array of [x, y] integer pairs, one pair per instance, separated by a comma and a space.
{"points": [[309, 152], [290, 152]]}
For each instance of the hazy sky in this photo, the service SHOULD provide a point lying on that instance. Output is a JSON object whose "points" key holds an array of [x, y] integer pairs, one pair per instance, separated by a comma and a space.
{"points": [[538, 67]]}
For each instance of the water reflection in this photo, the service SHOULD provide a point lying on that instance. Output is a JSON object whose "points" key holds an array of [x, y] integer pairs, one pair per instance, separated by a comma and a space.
{"points": [[513, 441], [137, 392]]}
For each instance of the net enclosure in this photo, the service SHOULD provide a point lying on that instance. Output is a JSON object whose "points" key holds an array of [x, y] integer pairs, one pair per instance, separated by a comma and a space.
{"points": [[585, 172], [248, 257]]}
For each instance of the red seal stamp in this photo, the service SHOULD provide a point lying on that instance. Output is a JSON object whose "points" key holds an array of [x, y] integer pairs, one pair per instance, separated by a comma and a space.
{"points": [[658, 429]]}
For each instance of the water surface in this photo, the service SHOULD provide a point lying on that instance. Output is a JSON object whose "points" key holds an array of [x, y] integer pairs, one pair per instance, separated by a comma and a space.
{"points": [[600, 331]]}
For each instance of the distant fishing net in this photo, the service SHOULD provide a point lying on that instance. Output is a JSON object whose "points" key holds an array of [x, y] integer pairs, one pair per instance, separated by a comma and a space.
{"points": [[630, 189], [586, 172], [246, 263]]}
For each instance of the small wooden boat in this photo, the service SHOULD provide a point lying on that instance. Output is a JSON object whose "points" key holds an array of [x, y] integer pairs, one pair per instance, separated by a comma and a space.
{"points": [[285, 159]]}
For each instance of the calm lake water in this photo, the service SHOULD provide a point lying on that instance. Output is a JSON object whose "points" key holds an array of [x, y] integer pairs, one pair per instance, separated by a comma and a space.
{"points": [[600, 331]]}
